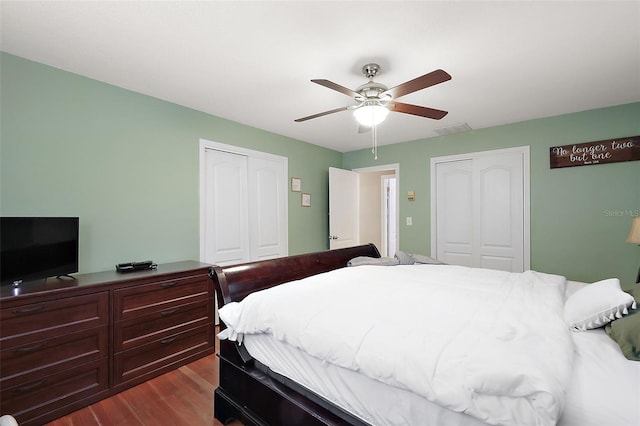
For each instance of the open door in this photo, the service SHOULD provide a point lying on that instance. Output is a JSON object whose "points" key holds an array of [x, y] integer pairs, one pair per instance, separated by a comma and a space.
{"points": [[343, 208]]}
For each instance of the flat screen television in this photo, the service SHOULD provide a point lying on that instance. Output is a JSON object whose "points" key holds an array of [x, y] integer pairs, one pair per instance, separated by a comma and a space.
{"points": [[33, 248]]}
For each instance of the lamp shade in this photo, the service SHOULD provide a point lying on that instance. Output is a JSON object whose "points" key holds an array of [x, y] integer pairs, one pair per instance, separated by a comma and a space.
{"points": [[370, 114], [634, 235]]}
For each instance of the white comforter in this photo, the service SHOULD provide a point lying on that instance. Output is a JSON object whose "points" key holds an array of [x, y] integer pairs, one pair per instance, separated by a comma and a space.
{"points": [[488, 343]]}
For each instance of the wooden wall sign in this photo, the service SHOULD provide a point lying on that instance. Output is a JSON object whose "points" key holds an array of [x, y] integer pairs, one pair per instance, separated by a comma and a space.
{"points": [[599, 152]]}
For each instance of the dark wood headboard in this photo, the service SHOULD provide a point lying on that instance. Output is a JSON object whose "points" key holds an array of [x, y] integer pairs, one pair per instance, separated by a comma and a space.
{"points": [[233, 283]]}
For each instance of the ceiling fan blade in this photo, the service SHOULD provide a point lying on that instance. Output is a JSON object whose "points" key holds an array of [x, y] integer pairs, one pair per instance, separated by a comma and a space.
{"points": [[337, 87], [422, 82], [435, 114], [320, 114]]}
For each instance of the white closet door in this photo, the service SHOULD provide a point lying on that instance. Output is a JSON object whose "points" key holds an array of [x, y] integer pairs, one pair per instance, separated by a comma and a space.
{"points": [[500, 212], [226, 232], [243, 210], [480, 210], [267, 214], [454, 223]]}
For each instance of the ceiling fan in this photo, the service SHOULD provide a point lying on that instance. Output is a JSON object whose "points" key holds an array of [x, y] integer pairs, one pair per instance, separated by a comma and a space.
{"points": [[375, 100]]}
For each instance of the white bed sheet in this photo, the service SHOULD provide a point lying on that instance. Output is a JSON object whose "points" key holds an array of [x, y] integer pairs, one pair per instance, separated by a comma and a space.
{"points": [[370, 400], [604, 390]]}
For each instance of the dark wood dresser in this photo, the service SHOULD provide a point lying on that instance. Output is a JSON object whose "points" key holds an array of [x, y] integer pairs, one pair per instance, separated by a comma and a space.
{"points": [[65, 344]]}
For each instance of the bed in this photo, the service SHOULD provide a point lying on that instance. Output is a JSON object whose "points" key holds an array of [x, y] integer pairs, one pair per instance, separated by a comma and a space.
{"points": [[324, 378]]}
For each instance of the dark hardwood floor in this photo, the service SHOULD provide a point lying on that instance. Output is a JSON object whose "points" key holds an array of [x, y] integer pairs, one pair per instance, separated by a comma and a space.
{"points": [[180, 397]]}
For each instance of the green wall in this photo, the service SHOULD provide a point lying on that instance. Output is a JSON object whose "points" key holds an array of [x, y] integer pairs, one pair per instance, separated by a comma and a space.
{"points": [[127, 165], [580, 216]]}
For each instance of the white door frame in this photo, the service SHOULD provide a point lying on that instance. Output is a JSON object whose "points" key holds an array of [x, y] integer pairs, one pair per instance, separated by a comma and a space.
{"points": [[396, 169], [385, 213], [206, 144], [524, 150]]}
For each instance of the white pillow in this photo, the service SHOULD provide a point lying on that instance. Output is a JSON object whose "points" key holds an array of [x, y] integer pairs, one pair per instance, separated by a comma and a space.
{"points": [[597, 304]]}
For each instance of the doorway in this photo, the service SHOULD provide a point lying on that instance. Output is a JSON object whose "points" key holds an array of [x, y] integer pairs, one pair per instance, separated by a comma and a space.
{"points": [[370, 212]]}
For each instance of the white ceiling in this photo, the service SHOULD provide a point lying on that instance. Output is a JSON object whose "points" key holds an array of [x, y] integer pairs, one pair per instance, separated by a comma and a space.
{"points": [[251, 62]]}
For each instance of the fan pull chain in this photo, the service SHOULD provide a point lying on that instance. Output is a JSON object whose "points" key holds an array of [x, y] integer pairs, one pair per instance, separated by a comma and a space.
{"points": [[374, 142], [374, 137]]}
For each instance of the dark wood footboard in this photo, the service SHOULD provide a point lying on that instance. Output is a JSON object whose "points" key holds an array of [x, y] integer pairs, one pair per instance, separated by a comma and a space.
{"points": [[246, 393]]}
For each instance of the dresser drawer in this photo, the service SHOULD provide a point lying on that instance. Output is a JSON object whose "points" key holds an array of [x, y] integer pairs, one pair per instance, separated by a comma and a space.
{"points": [[132, 302], [33, 398], [161, 353], [24, 324], [158, 325], [45, 357]]}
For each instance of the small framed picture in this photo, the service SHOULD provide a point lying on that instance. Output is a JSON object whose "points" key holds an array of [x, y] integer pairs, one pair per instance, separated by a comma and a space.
{"points": [[306, 200], [296, 184]]}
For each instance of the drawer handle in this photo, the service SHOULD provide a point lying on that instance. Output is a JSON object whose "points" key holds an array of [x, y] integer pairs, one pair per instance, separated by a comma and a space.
{"points": [[168, 285], [30, 387], [168, 340], [28, 348], [29, 310], [168, 312]]}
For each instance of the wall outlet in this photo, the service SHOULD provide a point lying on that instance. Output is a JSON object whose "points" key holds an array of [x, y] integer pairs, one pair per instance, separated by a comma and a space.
{"points": [[409, 221]]}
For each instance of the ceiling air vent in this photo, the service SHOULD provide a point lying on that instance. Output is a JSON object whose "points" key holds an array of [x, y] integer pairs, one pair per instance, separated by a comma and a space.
{"points": [[455, 128]]}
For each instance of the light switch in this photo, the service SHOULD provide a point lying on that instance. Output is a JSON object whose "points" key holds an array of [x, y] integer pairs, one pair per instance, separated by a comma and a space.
{"points": [[411, 195], [409, 221]]}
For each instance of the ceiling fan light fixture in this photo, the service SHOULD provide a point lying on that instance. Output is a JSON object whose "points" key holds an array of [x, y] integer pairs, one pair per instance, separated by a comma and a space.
{"points": [[370, 114]]}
